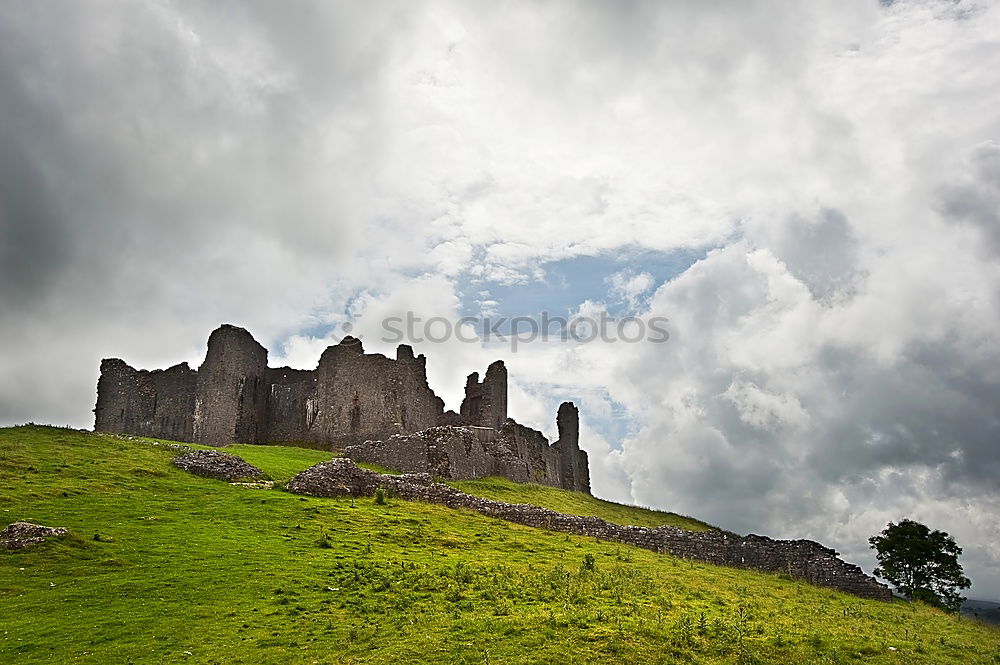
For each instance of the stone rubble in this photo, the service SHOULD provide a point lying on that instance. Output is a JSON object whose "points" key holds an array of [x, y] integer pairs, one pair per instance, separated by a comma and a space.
{"points": [[259, 485], [803, 559], [215, 464], [21, 534]]}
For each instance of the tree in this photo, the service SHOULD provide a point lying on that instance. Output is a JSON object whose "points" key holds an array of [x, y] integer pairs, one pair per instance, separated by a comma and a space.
{"points": [[921, 564]]}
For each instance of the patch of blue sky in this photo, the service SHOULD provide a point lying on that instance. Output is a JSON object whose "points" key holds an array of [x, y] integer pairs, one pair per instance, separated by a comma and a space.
{"points": [[569, 282]]}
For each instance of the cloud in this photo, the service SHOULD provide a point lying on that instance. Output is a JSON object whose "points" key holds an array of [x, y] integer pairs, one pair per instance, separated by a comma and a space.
{"points": [[164, 170], [779, 410], [821, 251], [975, 199], [629, 286]]}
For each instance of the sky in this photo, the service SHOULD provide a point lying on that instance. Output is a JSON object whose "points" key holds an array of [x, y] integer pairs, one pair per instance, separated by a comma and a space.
{"points": [[809, 194]]}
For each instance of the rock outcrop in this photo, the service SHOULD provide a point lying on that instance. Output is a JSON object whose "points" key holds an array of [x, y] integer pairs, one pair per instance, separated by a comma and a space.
{"points": [[21, 534], [803, 559], [215, 464]]}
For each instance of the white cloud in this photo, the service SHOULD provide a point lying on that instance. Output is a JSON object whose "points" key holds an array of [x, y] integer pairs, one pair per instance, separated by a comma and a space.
{"points": [[630, 286]]}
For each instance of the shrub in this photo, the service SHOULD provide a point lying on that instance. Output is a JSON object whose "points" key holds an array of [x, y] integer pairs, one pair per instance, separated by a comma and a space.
{"points": [[380, 497]]}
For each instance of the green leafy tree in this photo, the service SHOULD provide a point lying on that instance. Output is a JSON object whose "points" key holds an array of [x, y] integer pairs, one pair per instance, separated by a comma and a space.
{"points": [[921, 564]]}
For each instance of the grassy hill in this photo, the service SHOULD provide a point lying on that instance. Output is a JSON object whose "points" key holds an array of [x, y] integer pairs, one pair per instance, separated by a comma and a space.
{"points": [[575, 503], [165, 567]]}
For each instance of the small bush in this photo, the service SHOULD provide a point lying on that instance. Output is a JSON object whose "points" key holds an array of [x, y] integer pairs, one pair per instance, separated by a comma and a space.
{"points": [[380, 497], [588, 564]]}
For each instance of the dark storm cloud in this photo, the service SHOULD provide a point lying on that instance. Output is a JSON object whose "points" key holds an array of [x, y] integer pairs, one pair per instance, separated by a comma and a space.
{"points": [[775, 414], [33, 243], [977, 200], [158, 169], [822, 252], [936, 408], [158, 133]]}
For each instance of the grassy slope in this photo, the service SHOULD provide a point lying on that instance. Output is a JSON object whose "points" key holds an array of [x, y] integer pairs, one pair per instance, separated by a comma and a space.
{"points": [[193, 570], [280, 463], [575, 503]]}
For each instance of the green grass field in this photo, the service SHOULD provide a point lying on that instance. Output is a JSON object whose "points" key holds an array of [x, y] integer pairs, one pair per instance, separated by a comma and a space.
{"points": [[575, 503], [165, 567]]}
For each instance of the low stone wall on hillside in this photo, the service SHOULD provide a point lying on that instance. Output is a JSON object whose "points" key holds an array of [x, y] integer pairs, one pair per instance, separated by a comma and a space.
{"points": [[803, 559]]}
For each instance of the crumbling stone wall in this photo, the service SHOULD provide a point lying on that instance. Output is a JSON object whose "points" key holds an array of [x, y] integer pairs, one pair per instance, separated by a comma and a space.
{"points": [[291, 406], [173, 415], [157, 404], [533, 449], [485, 402], [464, 452], [235, 397], [230, 397], [351, 398], [370, 396], [572, 460], [804, 559], [457, 453]]}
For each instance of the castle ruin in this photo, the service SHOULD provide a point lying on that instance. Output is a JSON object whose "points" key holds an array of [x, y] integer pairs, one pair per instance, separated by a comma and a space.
{"points": [[376, 409]]}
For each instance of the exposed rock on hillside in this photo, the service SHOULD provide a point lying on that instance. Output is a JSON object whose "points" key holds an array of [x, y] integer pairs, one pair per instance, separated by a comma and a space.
{"points": [[214, 464], [22, 534], [804, 559]]}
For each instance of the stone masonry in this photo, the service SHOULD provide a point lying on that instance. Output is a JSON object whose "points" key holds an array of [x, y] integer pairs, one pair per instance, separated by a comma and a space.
{"points": [[377, 408], [803, 559]]}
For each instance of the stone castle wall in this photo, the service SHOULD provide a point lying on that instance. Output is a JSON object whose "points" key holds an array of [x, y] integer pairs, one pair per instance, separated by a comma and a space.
{"points": [[229, 402], [157, 404], [516, 452], [378, 407], [803, 559], [291, 405], [485, 402], [361, 396]]}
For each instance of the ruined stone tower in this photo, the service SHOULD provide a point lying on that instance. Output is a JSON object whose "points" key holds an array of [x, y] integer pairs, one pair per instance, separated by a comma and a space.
{"points": [[572, 460], [230, 400], [362, 396], [376, 408], [485, 403]]}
